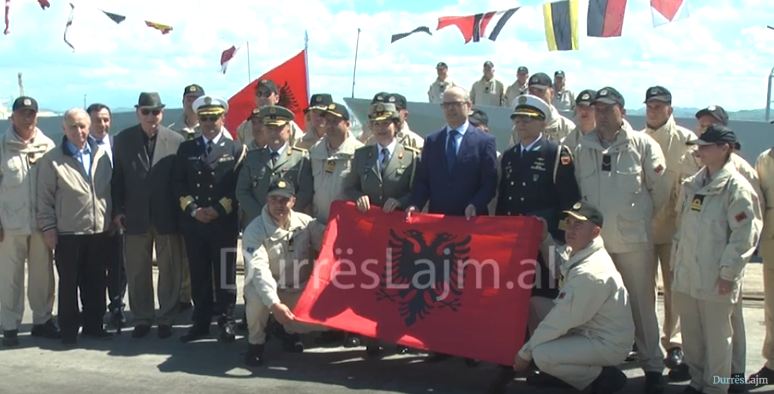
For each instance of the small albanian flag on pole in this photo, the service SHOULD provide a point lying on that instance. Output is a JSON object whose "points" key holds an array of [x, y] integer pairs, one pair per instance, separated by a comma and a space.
{"points": [[164, 29], [225, 57]]}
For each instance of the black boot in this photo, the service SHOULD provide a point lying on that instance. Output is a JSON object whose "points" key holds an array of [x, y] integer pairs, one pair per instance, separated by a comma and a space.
{"points": [[196, 332], [254, 356], [292, 343], [610, 380]]}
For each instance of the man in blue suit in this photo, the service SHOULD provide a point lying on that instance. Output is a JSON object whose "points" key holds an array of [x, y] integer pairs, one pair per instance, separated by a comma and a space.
{"points": [[458, 170]]}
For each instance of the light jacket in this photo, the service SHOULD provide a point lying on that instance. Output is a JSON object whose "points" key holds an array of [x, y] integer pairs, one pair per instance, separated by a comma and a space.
{"points": [[331, 174]]}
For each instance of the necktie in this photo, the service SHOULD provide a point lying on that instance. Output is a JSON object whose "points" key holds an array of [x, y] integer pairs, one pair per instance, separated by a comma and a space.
{"points": [[385, 159], [209, 148], [274, 155], [451, 149]]}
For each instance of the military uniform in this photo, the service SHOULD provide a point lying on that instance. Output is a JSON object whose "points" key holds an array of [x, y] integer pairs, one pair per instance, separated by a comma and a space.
{"points": [[765, 167], [719, 229], [621, 179], [513, 91], [435, 92], [491, 92], [206, 174]]}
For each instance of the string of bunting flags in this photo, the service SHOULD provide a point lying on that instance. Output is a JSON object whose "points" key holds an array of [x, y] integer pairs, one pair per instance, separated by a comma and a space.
{"points": [[604, 19]]}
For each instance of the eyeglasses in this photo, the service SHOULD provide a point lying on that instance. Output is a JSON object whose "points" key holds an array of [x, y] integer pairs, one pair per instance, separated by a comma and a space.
{"points": [[451, 104], [208, 118], [147, 111]]}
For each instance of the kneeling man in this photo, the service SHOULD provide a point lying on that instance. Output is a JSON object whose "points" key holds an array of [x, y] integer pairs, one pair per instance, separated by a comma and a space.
{"points": [[589, 329]]}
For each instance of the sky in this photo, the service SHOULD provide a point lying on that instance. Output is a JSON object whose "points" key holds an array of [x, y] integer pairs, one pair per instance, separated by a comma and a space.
{"points": [[718, 52]]}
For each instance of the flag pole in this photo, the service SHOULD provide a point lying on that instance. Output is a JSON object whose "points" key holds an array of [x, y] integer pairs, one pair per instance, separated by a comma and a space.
{"points": [[306, 62], [354, 70], [249, 77]]}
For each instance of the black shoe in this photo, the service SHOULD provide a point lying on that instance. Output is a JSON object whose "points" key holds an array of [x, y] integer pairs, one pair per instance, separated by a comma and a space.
{"points": [[46, 330], [195, 333], [632, 354], [761, 378], [691, 390], [610, 380], [117, 319], [680, 374], [374, 350], [254, 356], [739, 384], [352, 340], [674, 358], [164, 331], [98, 333], [504, 377], [292, 343], [11, 338], [227, 334], [140, 331], [542, 379], [654, 383]]}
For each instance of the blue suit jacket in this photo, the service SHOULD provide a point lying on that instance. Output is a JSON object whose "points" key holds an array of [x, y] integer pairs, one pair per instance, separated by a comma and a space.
{"points": [[473, 180]]}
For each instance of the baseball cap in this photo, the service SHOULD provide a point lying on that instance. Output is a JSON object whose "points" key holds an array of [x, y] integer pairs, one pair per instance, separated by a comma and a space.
{"points": [[658, 93], [715, 134], [609, 95], [540, 80], [585, 97], [586, 212], [25, 102], [716, 112]]}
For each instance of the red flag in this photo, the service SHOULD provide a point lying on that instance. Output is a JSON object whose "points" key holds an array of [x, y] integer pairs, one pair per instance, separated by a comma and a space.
{"points": [[664, 11], [291, 80], [605, 18], [225, 57], [473, 27], [44, 4], [164, 29], [428, 283]]}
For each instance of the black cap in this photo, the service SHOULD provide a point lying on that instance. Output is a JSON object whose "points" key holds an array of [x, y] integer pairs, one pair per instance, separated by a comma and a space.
{"points": [[489, 64], [380, 97], [586, 97], [266, 85], [398, 99], [149, 100], [318, 101], [282, 187], [716, 112], [337, 110], [559, 73], [541, 80], [522, 69], [608, 95], [194, 90], [25, 102], [716, 134], [478, 118], [585, 211], [658, 93], [441, 65]]}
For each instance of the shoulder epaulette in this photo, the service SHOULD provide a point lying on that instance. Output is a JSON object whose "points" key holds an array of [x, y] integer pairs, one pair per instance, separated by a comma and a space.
{"points": [[413, 149], [297, 149]]}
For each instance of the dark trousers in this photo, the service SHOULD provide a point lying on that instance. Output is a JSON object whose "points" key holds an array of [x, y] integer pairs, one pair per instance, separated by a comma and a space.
{"points": [[212, 262], [80, 263], [116, 272]]}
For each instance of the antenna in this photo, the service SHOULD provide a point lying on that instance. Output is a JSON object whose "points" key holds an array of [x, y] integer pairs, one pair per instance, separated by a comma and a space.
{"points": [[21, 84]]}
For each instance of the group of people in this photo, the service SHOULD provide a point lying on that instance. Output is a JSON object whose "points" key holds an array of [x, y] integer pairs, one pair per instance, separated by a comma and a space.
{"points": [[616, 204]]}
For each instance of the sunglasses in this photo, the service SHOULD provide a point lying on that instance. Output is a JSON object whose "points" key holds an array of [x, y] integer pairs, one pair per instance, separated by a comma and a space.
{"points": [[208, 118], [146, 111], [264, 93]]}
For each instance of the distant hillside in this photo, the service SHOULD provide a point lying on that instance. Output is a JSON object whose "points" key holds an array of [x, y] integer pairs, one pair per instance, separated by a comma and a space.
{"points": [[758, 115]]}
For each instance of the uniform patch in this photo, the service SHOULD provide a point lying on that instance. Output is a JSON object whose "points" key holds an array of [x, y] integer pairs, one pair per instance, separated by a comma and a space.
{"points": [[659, 169], [696, 203], [330, 166], [740, 216]]}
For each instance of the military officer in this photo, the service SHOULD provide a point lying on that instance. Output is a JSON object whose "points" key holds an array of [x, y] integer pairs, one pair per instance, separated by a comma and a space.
{"points": [[382, 173], [518, 87], [314, 130], [618, 170], [441, 83], [206, 170], [405, 136], [588, 329], [557, 126], [584, 116], [278, 160], [266, 93], [188, 122], [277, 249], [564, 99], [488, 90]]}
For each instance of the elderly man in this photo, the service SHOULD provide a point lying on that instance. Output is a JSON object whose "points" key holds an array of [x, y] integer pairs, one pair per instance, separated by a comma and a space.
{"points": [[205, 179], [99, 130], [144, 207], [277, 249], [314, 131], [22, 146], [584, 116], [589, 328], [441, 83], [564, 99], [188, 122], [519, 87], [266, 93], [488, 90], [73, 200], [263, 167], [619, 171]]}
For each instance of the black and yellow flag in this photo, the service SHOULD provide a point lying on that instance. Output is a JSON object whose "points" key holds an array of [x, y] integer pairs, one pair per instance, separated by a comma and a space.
{"points": [[561, 20]]}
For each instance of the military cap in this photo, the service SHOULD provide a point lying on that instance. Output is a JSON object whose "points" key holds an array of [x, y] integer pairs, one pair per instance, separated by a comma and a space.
{"points": [[441, 65], [382, 111], [337, 110], [266, 85], [25, 102], [540, 80], [522, 70], [716, 112], [275, 115], [489, 64], [608, 95], [559, 73], [715, 134], [380, 97], [318, 101], [398, 99], [194, 90], [658, 93], [531, 106], [478, 117], [585, 97], [282, 187], [208, 105], [586, 212]]}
